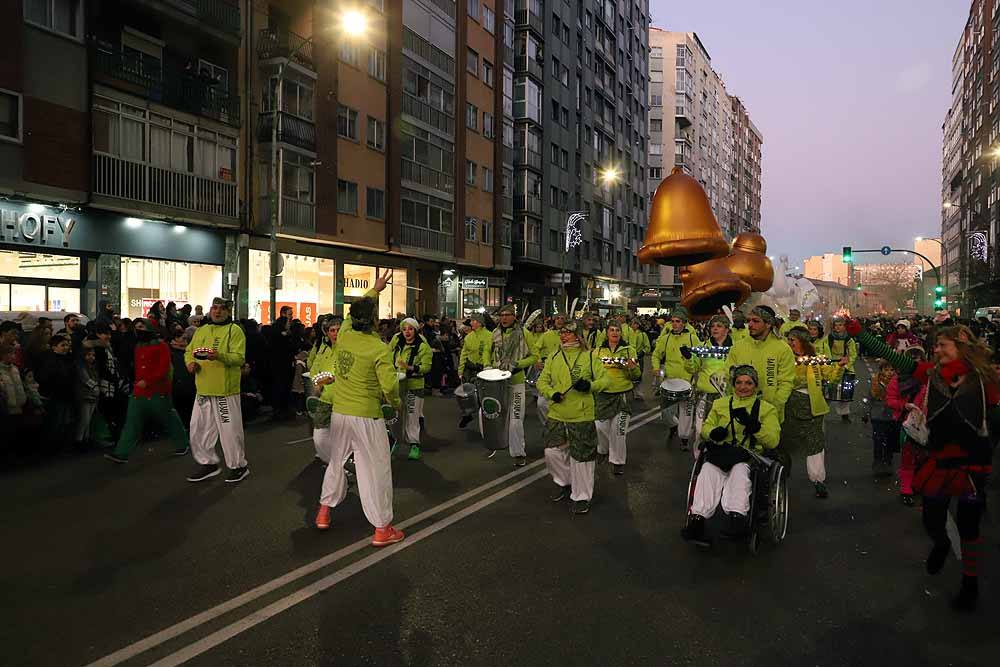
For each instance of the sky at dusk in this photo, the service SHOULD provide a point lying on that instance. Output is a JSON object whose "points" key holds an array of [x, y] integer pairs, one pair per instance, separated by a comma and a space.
{"points": [[850, 97]]}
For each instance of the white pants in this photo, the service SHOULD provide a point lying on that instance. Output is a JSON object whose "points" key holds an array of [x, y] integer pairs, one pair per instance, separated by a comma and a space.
{"points": [[218, 419], [566, 471], [671, 414], [414, 411], [543, 409], [611, 434], [841, 407], [367, 439], [816, 467], [322, 443], [515, 420], [713, 485], [685, 419]]}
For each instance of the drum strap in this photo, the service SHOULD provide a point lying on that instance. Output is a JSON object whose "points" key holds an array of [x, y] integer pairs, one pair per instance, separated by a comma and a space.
{"points": [[754, 416]]}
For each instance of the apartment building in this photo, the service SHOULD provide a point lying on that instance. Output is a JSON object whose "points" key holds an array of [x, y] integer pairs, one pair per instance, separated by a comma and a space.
{"points": [[745, 171], [828, 267]]}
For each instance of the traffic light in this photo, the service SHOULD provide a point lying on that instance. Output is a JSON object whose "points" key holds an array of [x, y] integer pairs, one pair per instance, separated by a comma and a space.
{"points": [[938, 304], [848, 255], [939, 290]]}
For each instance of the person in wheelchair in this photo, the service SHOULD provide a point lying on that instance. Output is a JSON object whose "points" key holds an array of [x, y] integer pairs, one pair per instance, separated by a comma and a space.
{"points": [[734, 425]]}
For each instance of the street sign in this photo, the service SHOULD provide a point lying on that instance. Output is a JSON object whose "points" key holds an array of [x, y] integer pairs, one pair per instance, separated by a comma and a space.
{"points": [[561, 278], [886, 250]]}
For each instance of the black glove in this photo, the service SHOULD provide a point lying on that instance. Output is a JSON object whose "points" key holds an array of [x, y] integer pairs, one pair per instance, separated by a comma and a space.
{"points": [[741, 415], [719, 433], [685, 351], [752, 427], [582, 385], [557, 397]]}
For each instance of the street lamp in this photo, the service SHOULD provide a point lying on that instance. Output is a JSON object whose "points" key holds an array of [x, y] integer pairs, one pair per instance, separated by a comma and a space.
{"points": [[353, 24]]}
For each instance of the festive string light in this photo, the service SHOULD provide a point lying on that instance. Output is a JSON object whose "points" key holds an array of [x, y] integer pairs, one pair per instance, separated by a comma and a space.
{"points": [[817, 360], [620, 362], [711, 352]]}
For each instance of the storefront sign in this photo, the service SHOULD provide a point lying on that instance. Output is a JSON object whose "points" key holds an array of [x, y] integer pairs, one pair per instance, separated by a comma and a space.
{"points": [[29, 228], [304, 312], [474, 282], [356, 283]]}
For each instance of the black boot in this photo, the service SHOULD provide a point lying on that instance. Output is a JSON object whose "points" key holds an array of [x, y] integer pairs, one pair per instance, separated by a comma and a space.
{"points": [[694, 531], [465, 421], [968, 594], [935, 560], [736, 526]]}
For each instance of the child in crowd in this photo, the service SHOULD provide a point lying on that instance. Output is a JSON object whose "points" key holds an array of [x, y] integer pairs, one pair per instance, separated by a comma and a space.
{"points": [[885, 426], [298, 389]]}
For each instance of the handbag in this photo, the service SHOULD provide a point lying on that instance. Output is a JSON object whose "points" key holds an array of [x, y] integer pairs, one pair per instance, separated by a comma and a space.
{"points": [[915, 424]]}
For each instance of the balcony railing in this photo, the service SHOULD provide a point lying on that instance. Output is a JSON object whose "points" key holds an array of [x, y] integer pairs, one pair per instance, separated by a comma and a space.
{"points": [[527, 158], [527, 18], [141, 182], [528, 204], [508, 155], [508, 206], [282, 44], [427, 239], [528, 250], [524, 64], [297, 217], [418, 173], [428, 114], [148, 77], [503, 257], [216, 13], [291, 130]]}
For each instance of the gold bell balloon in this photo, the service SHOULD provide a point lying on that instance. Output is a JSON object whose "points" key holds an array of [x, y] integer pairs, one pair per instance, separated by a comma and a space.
{"points": [[709, 286], [748, 260], [682, 229]]}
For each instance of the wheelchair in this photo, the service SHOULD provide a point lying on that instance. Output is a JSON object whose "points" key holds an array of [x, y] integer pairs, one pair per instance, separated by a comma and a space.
{"points": [[768, 515]]}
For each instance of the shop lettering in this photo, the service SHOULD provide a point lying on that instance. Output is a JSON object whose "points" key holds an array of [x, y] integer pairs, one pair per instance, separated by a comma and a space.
{"points": [[474, 282], [35, 228], [356, 283]]}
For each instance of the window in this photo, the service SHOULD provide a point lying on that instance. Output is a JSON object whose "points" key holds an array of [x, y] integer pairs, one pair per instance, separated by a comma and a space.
{"points": [[554, 153], [555, 111], [470, 229], [62, 16], [555, 68], [489, 19], [564, 76], [472, 62], [565, 34], [347, 123], [553, 196], [375, 203], [555, 24], [470, 172], [564, 117], [10, 116], [655, 125], [487, 180], [656, 149], [350, 53], [655, 172], [488, 125], [553, 239], [486, 232], [564, 159], [471, 116], [487, 73], [347, 197], [376, 134], [296, 98], [656, 100], [473, 9], [376, 64]]}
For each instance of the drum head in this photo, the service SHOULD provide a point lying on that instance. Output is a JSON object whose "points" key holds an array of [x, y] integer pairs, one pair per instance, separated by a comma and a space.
{"points": [[675, 385], [493, 375], [400, 376]]}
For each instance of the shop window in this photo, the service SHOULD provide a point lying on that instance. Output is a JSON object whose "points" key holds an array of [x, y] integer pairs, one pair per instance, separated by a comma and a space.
{"points": [[375, 203], [62, 16], [19, 264], [307, 285], [10, 115], [359, 279], [146, 281]]}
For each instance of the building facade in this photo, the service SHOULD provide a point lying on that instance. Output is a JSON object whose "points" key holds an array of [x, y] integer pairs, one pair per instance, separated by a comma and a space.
{"points": [[828, 267]]}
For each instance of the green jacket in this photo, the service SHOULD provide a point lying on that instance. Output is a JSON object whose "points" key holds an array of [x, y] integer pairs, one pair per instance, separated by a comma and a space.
{"points": [[667, 352], [775, 365], [719, 415], [789, 325], [365, 373], [519, 366], [738, 334], [325, 361], [561, 371], [220, 377], [838, 350], [706, 368], [822, 347], [546, 344], [417, 354], [619, 379], [474, 347], [640, 341]]}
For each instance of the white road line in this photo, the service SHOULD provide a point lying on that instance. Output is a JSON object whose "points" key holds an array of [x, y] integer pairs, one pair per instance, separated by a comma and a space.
{"points": [[185, 626], [295, 442], [953, 535]]}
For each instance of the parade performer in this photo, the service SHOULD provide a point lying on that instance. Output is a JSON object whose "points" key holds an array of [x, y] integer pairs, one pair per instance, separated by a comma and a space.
{"points": [[794, 320], [365, 373], [320, 406], [739, 330], [959, 405], [612, 406], [570, 380], [411, 355], [221, 352], [819, 341], [710, 374], [546, 345], [508, 351], [844, 348], [591, 332], [802, 430], [640, 341], [473, 357], [151, 400], [667, 354], [769, 355], [734, 423]]}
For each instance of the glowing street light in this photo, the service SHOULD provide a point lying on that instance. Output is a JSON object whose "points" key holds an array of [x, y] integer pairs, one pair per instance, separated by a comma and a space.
{"points": [[610, 175], [354, 23]]}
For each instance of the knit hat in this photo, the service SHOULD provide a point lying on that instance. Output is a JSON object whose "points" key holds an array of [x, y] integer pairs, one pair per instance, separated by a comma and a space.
{"points": [[905, 323], [409, 321], [681, 313], [719, 319], [765, 313], [575, 327], [747, 370], [222, 301]]}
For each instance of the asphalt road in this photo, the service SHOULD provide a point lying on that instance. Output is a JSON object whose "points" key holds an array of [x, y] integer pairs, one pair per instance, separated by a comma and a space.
{"points": [[133, 565]]}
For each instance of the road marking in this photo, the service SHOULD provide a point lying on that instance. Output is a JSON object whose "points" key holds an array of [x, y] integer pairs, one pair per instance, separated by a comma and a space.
{"points": [[295, 442], [185, 626], [953, 535]]}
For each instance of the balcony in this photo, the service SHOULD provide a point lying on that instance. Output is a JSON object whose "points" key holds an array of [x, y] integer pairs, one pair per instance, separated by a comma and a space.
{"points": [[220, 14], [144, 183], [681, 115], [524, 157], [525, 111], [528, 204], [525, 18], [503, 257], [525, 65], [428, 114], [297, 217], [418, 173], [152, 79], [508, 206], [680, 160], [508, 155], [528, 250], [426, 239], [291, 130], [284, 44]]}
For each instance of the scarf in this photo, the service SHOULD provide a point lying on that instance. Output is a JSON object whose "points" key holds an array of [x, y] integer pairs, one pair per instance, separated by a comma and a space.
{"points": [[509, 350], [814, 385]]}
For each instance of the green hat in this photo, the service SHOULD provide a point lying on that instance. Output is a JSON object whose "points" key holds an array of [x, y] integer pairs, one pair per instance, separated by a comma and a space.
{"points": [[720, 319], [576, 328], [680, 312], [507, 308]]}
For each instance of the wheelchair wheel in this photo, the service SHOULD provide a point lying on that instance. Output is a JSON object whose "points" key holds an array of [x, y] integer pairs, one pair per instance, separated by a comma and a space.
{"points": [[777, 505], [691, 483], [754, 542]]}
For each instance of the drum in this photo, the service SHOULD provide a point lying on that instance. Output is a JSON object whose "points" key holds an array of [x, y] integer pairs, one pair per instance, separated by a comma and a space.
{"points": [[842, 391], [674, 390], [395, 420], [307, 384], [531, 376], [468, 399], [494, 398]]}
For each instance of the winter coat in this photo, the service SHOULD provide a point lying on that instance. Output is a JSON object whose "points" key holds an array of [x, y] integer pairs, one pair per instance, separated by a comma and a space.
{"points": [[562, 370], [721, 415], [220, 377], [417, 354], [774, 362]]}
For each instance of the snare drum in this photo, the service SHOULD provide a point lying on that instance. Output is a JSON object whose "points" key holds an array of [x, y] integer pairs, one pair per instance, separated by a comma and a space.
{"points": [[674, 390]]}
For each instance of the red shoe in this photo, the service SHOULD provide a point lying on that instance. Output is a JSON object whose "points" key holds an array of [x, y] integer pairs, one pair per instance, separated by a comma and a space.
{"points": [[323, 517], [386, 536]]}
